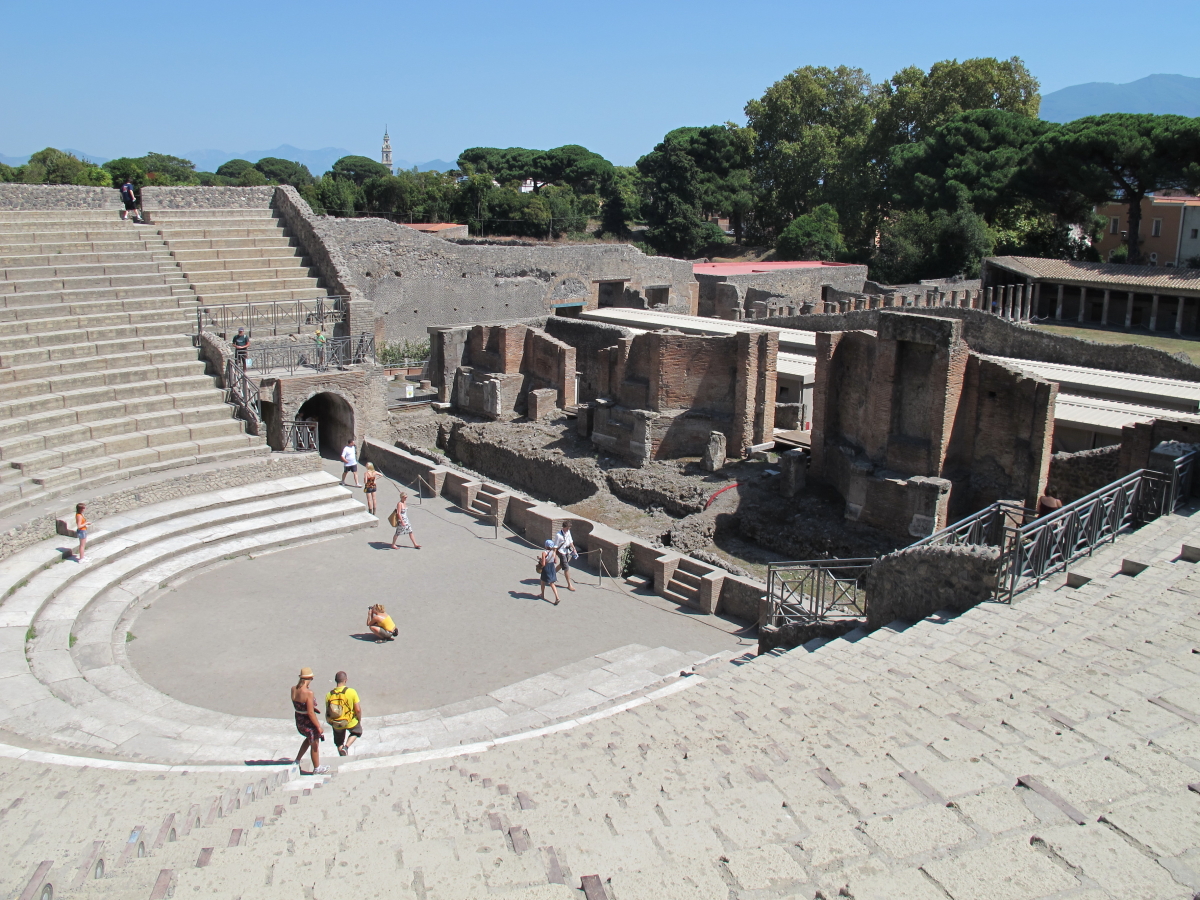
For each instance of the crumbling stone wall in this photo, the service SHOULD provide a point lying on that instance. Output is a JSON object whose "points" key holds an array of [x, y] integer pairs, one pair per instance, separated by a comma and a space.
{"points": [[1139, 440], [753, 293], [588, 339], [1075, 475], [916, 582], [907, 422], [58, 197], [415, 280], [500, 452]]}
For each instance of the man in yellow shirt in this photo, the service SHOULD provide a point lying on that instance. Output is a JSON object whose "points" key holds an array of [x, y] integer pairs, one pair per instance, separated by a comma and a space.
{"points": [[344, 714]]}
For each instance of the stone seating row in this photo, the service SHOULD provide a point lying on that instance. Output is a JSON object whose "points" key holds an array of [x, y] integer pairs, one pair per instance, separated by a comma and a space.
{"points": [[98, 371]]}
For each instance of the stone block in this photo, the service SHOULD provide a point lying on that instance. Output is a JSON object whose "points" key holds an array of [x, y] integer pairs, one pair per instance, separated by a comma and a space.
{"points": [[794, 469], [1133, 567], [1188, 553], [611, 544], [541, 403], [714, 452], [663, 569], [709, 596]]}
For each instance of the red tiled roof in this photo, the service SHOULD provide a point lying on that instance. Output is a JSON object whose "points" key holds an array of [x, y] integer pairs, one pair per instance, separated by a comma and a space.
{"points": [[737, 268], [1162, 278], [432, 226]]}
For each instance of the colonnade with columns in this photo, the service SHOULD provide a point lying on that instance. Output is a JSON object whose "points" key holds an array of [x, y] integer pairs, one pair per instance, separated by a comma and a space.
{"points": [[1012, 301]]}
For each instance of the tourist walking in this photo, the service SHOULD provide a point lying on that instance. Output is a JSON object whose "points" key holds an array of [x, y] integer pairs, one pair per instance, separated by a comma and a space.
{"points": [[546, 569], [308, 723], [350, 461], [129, 200], [399, 521], [344, 714], [381, 624], [370, 487], [241, 347], [81, 529], [564, 546]]}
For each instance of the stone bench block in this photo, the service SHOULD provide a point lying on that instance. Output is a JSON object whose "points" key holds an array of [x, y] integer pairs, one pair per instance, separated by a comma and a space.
{"points": [[1188, 553], [709, 596], [1133, 567], [541, 403], [663, 570], [611, 545], [461, 488]]}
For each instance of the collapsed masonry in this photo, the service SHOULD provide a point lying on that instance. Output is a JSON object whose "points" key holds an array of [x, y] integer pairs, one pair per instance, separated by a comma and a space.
{"points": [[915, 430], [653, 395]]}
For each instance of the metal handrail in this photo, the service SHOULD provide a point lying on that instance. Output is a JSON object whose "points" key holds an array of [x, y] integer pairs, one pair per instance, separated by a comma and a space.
{"points": [[985, 527], [336, 352], [816, 590], [243, 392], [272, 315], [300, 436]]}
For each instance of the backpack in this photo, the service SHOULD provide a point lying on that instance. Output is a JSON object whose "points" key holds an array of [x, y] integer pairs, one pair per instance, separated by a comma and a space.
{"points": [[341, 710]]}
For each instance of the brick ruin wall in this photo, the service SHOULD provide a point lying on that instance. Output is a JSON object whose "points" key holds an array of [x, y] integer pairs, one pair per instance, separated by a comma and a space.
{"points": [[992, 336], [914, 430]]}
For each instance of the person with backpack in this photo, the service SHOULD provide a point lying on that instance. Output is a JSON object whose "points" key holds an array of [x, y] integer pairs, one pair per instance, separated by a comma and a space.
{"points": [[546, 565], [343, 712]]}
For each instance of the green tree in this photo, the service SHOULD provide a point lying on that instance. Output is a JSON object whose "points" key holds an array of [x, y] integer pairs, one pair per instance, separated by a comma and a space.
{"points": [[622, 199], [9, 173], [126, 169], [917, 244], [814, 235], [51, 166], [339, 196], [163, 169], [915, 102], [672, 207], [234, 169], [284, 171], [358, 169], [1121, 157], [812, 130]]}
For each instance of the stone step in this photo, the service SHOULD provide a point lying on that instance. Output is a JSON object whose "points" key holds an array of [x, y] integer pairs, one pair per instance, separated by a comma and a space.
{"points": [[68, 245], [271, 263], [155, 294], [180, 318], [55, 368], [221, 298], [155, 256], [68, 236], [20, 350], [52, 270], [187, 258], [68, 286], [19, 335], [80, 381], [145, 463], [239, 279], [223, 231], [173, 216], [271, 242], [175, 304], [210, 398], [41, 402]]}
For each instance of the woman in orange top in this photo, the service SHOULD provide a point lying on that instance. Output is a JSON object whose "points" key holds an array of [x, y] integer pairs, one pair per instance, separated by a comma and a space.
{"points": [[81, 528], [369, 487]]}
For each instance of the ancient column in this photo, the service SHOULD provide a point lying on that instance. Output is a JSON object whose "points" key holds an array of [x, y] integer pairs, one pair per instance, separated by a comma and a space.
{"points": [[1005, 300], [1179, 318], [1153, 311], [1058, 306], [1036, 301], [1129, 310], [1104, 308], [1082, 302]]}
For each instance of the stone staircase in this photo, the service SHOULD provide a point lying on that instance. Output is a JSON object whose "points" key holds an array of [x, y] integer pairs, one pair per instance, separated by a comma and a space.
{"points": [[1047, 749], [236, 255], [98, 374], [684, 586]]}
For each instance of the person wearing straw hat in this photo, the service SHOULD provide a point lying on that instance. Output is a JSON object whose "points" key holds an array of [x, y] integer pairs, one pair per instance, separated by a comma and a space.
{"points": [[547, 563], [308, 723]]}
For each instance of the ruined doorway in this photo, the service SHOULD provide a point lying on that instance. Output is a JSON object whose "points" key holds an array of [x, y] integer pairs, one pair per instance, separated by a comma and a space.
{"points": [[335, 421]]}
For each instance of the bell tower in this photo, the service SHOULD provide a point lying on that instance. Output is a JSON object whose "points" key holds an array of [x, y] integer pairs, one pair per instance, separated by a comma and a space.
{"points": [[386, 154]]}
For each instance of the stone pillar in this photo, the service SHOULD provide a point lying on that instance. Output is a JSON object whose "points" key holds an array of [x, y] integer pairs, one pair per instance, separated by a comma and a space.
{"points": [[1104, 308], [714, 451], [1059, 304], [1037, 300], [1179, 318], [794, 464], [941, 298], [1023, 306], [1082, 302], [1004, 300], [1153, 311], [1129, 310]]}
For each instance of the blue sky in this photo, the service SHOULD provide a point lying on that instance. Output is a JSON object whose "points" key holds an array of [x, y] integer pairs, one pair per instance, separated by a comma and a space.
{"points": [[123, 78]]}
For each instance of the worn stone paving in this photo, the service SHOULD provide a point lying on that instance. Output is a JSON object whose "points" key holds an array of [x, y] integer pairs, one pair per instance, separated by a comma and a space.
{"points": [[1042, 750]]}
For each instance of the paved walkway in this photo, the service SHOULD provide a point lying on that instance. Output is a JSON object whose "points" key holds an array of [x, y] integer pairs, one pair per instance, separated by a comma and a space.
{"points": [[470, 620]]}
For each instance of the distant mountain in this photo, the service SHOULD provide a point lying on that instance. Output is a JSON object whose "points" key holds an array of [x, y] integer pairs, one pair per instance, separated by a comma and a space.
{"points": [[1176, 94]]}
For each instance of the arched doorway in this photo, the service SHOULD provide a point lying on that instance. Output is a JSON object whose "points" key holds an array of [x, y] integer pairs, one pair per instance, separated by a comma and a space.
{"points": [[335, 421]]}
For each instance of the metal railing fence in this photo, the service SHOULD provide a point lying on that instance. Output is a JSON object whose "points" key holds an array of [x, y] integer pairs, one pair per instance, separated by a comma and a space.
{"points": [[272, 316], [334, 353], [300, 436], [816, 590], [243, 393]]}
